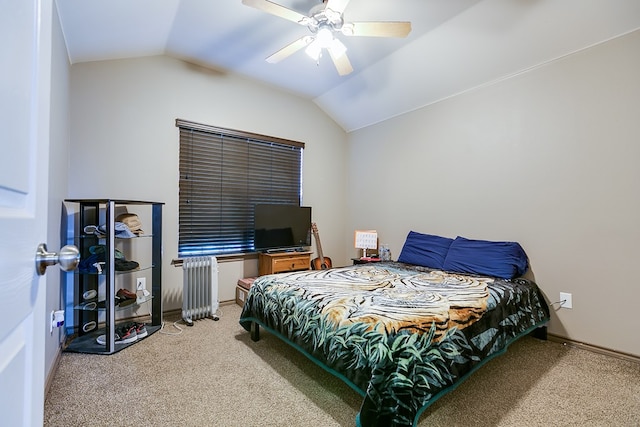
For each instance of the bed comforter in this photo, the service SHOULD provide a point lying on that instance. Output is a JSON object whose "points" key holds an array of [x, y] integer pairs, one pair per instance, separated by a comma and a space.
{"points": [[400, 335]]}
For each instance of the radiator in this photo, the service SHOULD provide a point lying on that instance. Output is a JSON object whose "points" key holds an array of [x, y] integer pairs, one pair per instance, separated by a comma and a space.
{"points": [[200, 288]]}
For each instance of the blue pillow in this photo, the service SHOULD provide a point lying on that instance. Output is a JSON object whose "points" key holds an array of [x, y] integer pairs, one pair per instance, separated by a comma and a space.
{"points": [[425, 250], [497, 259]]}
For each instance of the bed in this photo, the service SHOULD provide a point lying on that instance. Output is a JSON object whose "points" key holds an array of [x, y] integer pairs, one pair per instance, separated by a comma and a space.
{"points": [[403, 333]]}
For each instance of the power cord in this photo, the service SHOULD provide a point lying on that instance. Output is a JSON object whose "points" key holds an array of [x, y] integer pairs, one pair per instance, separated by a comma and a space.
{"points": [[175, 325], [216, 316], [559, 302]]}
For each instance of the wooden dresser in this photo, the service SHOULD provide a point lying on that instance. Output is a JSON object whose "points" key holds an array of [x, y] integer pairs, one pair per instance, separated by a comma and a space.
{"points": [[283, 261]]}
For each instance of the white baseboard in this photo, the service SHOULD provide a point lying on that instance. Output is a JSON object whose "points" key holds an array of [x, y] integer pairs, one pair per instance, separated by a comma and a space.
{"points": [[52, 373], [593, 348]]}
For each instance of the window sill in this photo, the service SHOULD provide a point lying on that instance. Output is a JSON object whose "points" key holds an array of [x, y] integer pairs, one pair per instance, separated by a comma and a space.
{"points": [[177, 262]]}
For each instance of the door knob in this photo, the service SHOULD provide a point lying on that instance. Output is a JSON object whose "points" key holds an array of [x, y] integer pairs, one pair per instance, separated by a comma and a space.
{"points": [[68, 258]]}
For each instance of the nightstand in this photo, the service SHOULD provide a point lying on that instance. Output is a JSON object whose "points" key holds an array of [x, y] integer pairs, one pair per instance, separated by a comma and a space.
{"points": [[366, 260]]}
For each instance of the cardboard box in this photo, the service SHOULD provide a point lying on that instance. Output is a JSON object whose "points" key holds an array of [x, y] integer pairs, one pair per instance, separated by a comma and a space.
{"points": [[242, 290]]}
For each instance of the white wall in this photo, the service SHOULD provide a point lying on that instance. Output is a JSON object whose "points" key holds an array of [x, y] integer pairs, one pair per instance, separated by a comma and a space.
{"points": [[58, 178], [548, 158], [124, 144]]}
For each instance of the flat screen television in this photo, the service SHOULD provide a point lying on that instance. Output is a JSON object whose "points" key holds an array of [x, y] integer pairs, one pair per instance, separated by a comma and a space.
{"points": [[282, 227]]}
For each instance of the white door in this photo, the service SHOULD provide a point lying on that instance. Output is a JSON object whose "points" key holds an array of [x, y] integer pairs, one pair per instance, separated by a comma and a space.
{"points": [[25, 69]]}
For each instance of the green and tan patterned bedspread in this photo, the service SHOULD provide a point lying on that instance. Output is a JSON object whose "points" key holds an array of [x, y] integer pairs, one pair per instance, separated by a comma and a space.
{"points": [[400, 335]]}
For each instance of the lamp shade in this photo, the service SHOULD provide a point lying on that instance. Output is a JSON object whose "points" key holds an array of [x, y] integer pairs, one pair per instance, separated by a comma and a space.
{"points": [[366, 239]]}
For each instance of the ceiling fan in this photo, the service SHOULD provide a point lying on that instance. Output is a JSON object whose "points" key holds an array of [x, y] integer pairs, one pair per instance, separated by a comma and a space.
{"points": [[324, 21]]}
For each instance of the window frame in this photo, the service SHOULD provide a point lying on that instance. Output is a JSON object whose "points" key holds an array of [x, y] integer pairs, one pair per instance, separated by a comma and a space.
{"points": [[271, 172]]}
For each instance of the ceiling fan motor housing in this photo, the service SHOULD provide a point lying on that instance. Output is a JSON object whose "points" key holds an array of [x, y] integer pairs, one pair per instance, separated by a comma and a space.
{"points": [[321, 17]]}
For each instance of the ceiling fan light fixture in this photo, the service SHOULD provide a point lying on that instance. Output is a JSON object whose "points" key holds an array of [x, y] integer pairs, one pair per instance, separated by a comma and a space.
{"points": [[324, 37], [314, 50], [324, 40], [338, 48]]}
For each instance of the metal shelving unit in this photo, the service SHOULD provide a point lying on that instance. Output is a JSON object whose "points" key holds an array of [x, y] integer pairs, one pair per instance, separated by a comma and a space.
{"points": [[87, 314]]}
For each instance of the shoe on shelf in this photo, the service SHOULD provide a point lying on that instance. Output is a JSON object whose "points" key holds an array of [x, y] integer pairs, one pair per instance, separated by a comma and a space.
{"points": [[123, 335], [125, 297], [126, 333], [141, 330], [123, 302], [117, 301], [126, 294]]}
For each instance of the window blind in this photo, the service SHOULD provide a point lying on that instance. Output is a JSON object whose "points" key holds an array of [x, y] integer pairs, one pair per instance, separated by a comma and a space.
{"points": [[224, 173]]}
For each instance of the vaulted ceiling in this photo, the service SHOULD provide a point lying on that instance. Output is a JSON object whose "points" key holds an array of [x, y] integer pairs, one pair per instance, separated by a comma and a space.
{"points": [[454, 45]]}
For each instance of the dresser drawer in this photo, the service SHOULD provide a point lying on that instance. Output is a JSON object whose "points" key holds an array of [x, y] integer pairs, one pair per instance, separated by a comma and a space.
{"points": [[290, 264]]}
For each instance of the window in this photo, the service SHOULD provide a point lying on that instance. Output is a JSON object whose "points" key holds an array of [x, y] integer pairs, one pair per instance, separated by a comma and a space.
{"points": [[224, 173]]}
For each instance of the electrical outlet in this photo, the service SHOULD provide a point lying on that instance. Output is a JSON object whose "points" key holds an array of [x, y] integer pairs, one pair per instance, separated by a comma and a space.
{"points": [[565, 300], [141, 283], [57, 320]]}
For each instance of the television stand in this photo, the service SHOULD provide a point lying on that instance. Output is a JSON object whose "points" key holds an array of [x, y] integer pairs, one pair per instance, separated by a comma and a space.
{"points": [[280, 262]]}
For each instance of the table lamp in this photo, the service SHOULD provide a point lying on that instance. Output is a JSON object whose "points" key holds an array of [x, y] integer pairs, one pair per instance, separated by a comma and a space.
{"points": [[365, 239]]}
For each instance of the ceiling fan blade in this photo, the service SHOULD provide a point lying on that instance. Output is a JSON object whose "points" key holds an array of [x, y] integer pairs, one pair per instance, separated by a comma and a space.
{"points": [[337, 5], [377, 29], [277, 10], [289, 49], [342, 63]]}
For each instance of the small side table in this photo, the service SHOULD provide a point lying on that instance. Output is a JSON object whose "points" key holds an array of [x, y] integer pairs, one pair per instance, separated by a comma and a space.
{"points": [[366, 260]]}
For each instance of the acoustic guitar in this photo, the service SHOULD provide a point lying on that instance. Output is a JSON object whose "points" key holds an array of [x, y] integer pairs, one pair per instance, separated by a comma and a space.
{"points": [[322, 262]]}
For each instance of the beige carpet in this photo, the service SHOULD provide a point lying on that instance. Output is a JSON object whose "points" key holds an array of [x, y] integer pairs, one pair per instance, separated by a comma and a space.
{"points": [[212, 374]]}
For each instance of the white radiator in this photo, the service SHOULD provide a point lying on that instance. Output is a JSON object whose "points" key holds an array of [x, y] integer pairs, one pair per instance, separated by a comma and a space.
{"points": [[200, 288]]}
